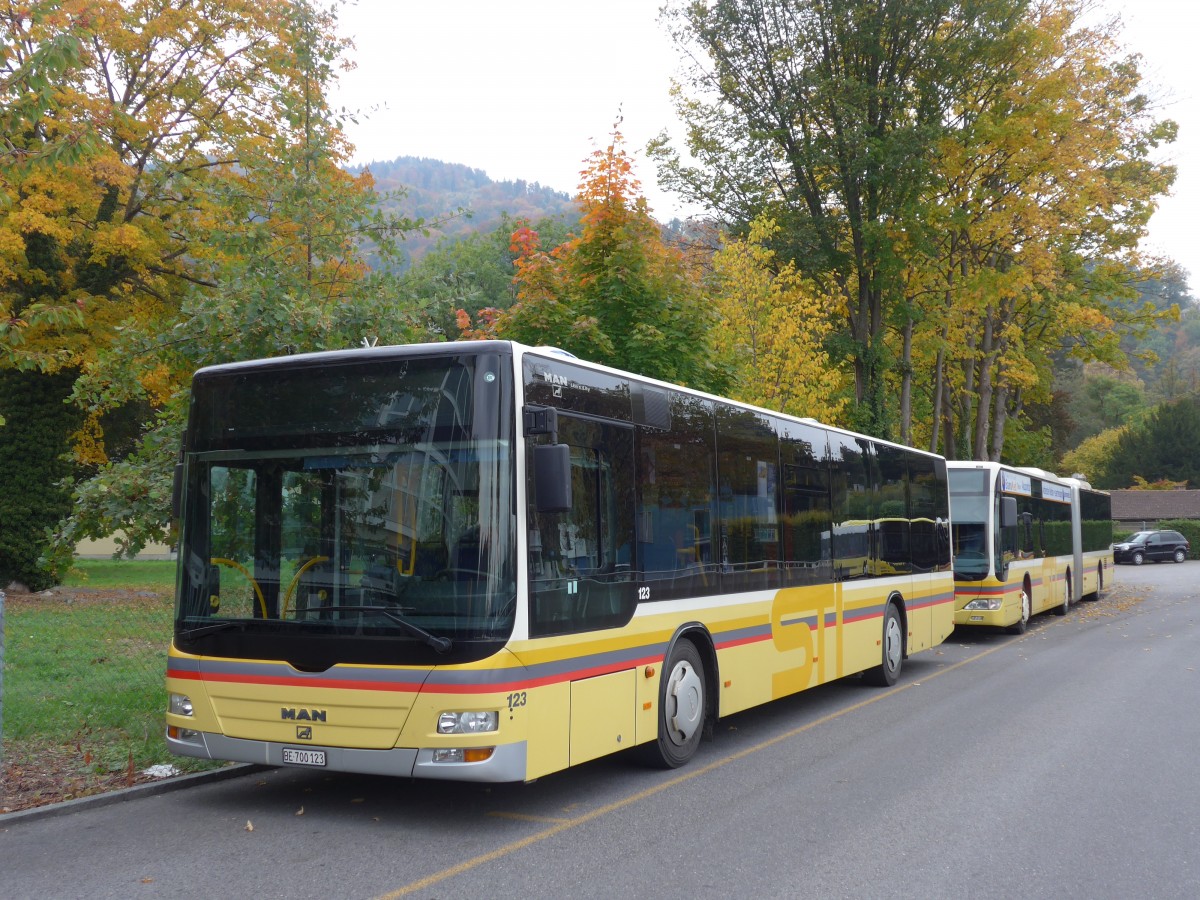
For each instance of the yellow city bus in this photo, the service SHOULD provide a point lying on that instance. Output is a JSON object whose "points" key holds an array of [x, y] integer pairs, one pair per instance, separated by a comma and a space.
{"points": [[1025, 541], [488, 562]]}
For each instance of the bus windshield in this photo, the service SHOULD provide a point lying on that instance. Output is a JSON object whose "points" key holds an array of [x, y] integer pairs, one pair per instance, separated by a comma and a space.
{"points": [[969, 515], [349, 513]]}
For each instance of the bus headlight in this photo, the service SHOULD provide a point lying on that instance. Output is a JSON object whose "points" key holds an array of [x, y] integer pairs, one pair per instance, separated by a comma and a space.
{"points": [[180, 705], [463, 755], [990, 603], [468, 722]]}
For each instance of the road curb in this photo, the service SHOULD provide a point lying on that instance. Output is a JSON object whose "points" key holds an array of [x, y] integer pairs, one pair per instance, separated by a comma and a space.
{"points": [[108, 798]]}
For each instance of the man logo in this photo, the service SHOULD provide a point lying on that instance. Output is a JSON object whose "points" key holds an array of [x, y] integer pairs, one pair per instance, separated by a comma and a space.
{"points": [[304, 732], [302, 715]]}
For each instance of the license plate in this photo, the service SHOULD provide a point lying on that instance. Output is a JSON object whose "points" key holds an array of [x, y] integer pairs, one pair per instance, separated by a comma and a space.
{"points": [[297, 757]]}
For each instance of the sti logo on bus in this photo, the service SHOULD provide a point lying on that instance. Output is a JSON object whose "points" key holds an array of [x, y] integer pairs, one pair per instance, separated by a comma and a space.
{"points": [[302, 715]]}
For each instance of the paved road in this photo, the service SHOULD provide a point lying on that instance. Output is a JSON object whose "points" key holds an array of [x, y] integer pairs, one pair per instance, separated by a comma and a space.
{"points": [[1064, 763]]}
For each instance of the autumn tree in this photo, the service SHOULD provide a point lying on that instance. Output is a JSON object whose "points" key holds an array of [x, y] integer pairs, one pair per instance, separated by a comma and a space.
{"points": [[472, 273], [211, 221], [969, 179], [773, 328], [1043, 187], [616, 293], [823, 114], [1093, 455]]}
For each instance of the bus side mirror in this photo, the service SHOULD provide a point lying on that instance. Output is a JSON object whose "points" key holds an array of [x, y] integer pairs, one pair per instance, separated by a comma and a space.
{"points": [[552, 477], [551, 462], [1008, 512]]}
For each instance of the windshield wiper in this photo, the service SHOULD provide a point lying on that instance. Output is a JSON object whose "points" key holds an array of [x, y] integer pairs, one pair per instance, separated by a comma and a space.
{"points": [[210, 629], [438, 643]]}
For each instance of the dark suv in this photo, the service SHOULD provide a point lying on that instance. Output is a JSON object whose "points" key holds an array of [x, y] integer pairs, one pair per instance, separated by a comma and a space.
{"points": [[1155, 545]]}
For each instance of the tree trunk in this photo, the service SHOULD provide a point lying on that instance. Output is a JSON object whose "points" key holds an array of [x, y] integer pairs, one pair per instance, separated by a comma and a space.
{"points": [[999, 420], [983, 411], [906, 377]]}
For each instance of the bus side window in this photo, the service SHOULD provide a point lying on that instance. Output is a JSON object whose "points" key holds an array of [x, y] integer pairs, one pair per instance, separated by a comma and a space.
{"points": [[579, 560]]}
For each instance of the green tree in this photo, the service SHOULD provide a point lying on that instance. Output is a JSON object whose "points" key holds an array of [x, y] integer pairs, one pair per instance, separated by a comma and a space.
{"points": [[1103, 402], [1164, 447]]}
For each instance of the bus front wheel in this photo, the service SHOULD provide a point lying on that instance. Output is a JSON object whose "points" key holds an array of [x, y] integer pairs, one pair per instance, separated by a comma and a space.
{"points": [[887, 672], [1022, 623], [682, 708]]}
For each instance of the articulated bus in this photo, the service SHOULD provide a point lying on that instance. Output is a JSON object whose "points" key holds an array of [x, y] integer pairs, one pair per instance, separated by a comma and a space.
{"points": [[488, 562], [1025, 541]]}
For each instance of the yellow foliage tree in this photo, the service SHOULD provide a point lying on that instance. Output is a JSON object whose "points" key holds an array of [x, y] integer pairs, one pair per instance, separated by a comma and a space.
{"points": [[1045, 185], [773, 327]]}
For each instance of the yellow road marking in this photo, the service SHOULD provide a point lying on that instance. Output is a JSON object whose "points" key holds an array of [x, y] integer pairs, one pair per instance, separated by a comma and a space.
{"points": [[524, 817], [563, 825]]}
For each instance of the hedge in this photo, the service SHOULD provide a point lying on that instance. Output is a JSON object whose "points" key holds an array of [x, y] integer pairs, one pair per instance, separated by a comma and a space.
{"points": [[36, 466]]}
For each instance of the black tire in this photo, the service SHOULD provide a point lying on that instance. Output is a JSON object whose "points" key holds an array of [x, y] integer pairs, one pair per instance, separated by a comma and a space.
{"points": [[1065, 606], [1180, 556], [1092, 598], [1138, 558], [1021, 624], [682, 708], [887, 672]]}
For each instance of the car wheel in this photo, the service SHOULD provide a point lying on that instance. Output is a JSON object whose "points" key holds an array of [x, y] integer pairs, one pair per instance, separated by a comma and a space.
{"points": [[1180, 556], [1138, 558]]}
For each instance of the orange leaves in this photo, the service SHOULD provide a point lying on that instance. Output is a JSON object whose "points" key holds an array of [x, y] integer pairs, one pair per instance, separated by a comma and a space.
{"points": [[615, 293], [486, 329], [524, 241]]}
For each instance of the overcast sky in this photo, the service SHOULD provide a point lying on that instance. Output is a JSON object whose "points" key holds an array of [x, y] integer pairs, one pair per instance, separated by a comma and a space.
{"points": [[528, 90]]}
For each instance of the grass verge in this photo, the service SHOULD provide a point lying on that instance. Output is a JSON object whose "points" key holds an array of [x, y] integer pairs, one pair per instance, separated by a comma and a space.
{"points": [[84, 670]]}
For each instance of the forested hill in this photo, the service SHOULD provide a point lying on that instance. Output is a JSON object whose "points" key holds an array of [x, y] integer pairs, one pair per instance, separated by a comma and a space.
{"points": [[433, 188]]}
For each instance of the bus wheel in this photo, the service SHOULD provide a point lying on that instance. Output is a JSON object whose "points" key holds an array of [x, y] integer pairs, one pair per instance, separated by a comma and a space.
{"points": [[682, 708], [1099, 585], [1020, 625], [1061, 610], [888, 671]]}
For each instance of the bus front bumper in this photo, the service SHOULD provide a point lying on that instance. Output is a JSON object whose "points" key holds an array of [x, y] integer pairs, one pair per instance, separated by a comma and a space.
{"points": [[507, 762]]}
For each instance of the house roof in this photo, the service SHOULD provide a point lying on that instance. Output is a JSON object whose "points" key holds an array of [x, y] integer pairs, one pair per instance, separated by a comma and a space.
{"points": [[1153, 505]]}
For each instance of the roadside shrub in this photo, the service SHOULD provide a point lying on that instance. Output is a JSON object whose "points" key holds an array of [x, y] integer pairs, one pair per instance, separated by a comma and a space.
{"points": [[34, 445]]}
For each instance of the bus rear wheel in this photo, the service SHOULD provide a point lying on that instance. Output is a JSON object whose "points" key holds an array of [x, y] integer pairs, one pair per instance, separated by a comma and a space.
{"points": [[682, 708], [887, 672]]}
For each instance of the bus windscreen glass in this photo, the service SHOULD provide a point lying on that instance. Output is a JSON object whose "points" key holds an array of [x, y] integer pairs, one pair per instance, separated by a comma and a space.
{"points": [[367, 504]]}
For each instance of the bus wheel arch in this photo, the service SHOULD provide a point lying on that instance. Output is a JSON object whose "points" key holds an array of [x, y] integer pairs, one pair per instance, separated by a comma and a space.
{"points": [[687, 698]]}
